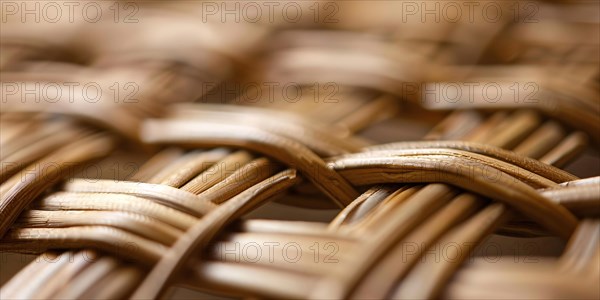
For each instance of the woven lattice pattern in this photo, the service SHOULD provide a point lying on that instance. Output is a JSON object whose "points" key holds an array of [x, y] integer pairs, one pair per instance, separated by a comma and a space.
{"points": [[311, 149]]}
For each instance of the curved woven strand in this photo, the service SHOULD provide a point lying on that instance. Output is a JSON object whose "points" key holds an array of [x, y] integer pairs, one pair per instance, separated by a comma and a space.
{"points": [[227, 277], [19, 139], [21, 189], [567, 110], [258, 115], [104, 238], [186, 167], [582, 253], [572, 275], [552, 173], [470, 233], [154, 284], [395, 264], [582, 200], [371, 220], [312, 135], [154, 166], [408, 215], [117, 119], [214, 174], [522, 174], [172, 197], [242, 179], [36, 150], [566, 150], [114, 285], [134, 223], [92, 274], [306, 262], [582, 182], [116, 202], [288, 151], [304, 228], [24, 277], [415, 170], [507, 283], [78, 262], [351, 212]]}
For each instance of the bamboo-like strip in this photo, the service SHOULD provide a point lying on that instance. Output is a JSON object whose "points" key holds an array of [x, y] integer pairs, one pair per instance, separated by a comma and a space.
{"points": [[542, 140], [320, 141], [289, 151], [535, 166], [581, 200], [296, 253], [35, 275], [156, 164], [582, 182], [573, 275], [115, 285], [515, 283], [201, 232], [188, 166], [104, 111], [408, 215], [22, 188], [79, 262], [514, 129], [36, 150], [90, 275], [184, 110], [117, 202], [267, 281], [284, 227], [386, 210], [40, 133], [582, 254], [141, 225], [397, 263], [119, 242], [417, 170], [217, 172], [166, 195], [350, 213], [242, 179], [566, 150], [442, 155], [470, 232]]}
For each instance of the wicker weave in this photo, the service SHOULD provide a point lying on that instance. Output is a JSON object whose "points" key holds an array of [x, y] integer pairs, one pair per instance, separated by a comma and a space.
{"points": [[321, 158]]}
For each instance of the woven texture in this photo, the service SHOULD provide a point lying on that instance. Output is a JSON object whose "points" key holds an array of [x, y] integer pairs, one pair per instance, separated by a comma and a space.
{"points": [[358, 149]]}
